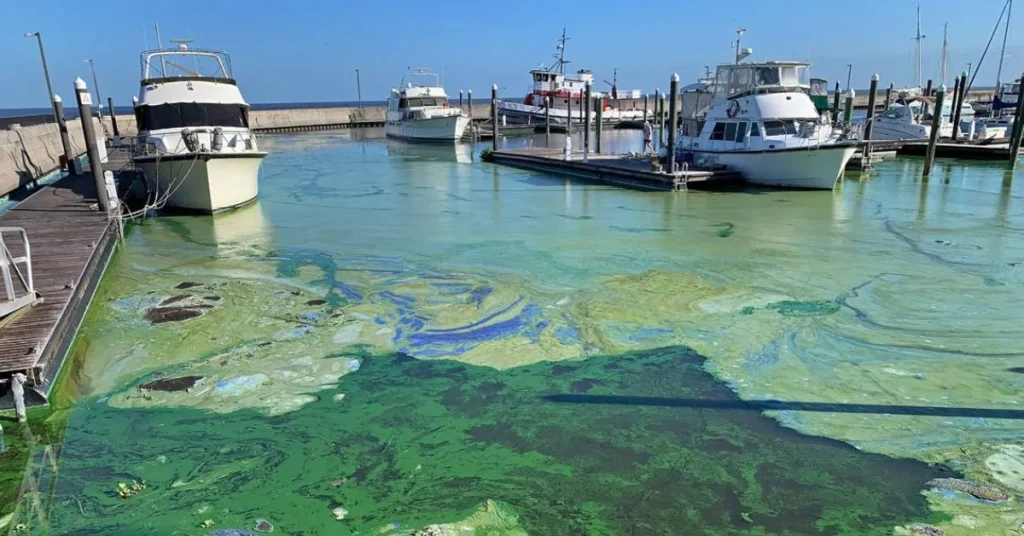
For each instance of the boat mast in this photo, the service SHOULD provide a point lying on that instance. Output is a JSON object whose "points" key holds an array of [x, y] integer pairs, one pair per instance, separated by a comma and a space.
{"points": [[560, 53], [739, 39], [944, 58], [917, 50], [1002, 54]]}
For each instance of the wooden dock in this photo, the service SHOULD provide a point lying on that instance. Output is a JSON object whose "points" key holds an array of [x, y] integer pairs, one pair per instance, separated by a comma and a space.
{"points": [[71, 241], [969, 150], [620, 170]]}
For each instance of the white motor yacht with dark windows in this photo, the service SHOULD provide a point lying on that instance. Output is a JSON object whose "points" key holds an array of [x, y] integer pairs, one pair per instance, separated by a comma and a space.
{"points": [[196, 150]]}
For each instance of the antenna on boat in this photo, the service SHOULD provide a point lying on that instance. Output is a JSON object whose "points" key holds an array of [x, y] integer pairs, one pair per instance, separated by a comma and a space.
{"points": [[741, 53], [559, 54], [1002, 54], [917, 50], [160, 47], [614, 83]]}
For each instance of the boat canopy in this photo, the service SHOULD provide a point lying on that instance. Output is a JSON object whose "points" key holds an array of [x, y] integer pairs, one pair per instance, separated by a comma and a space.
{"points": [[747, 78], [185, 63]]}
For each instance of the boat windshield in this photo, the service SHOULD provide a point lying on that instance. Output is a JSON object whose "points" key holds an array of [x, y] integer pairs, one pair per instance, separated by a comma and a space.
{"points": [[185, 63], [420, 102], [191, 114], [732, 80], [896, 112]]}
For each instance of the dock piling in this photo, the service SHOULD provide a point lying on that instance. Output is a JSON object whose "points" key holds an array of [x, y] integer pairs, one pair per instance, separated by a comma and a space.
{"points": [[586, 121], [62, 126], [872, 91], [835, 101], [673, 91], [933, 137], [646, 106], [494, 116], [113, 115], [848, 111], [888, 96], [469, 104], [547, 120], [1018, 131], [460, 99], [928, 88], [85, 115], [661, 120], [958, 104]]}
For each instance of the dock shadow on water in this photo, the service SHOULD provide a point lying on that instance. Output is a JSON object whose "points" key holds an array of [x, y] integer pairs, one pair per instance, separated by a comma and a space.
{"points": [[417, 442]]}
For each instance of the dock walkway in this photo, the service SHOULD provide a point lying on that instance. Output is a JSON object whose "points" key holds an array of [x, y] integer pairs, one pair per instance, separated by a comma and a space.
{"points": [[70, 241], [619, 170]]}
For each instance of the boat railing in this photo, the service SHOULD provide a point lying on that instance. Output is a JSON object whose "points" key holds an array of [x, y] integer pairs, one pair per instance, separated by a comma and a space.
{"points": [[14, 255], [185, 62]]}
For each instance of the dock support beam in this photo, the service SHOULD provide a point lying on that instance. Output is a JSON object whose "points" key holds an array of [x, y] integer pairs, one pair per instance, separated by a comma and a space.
{"points": [[673, 92], [586, 121], [62, 126], [494, 116], [928, 89], [113, 116], [888, 97], [600, 125], [1018, 131], [18, 392], [958, 106], [956, 96], [933, 138], [867, 123], [85, 116]]}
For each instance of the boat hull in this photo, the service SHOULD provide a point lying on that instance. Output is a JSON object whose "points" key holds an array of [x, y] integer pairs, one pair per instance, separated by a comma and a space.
{"points": [[807, 168], [450, 128], [524, 114], [204, 183]]}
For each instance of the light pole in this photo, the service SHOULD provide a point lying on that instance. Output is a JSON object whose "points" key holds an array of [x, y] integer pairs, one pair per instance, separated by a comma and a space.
{"points": [[46, 73], [96, 86], [849, 74], [359, 90]]}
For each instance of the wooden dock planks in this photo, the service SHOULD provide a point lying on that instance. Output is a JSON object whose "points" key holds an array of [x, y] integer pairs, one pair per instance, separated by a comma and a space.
{"points": [[71, 242]]}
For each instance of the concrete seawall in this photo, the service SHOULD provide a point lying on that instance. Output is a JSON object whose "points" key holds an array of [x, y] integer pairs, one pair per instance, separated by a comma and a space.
{"points": [[28, 153]]}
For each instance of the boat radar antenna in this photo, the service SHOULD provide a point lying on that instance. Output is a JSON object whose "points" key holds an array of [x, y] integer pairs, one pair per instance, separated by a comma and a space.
{"points": [[741, 53], [917, 49], [559, 54]]}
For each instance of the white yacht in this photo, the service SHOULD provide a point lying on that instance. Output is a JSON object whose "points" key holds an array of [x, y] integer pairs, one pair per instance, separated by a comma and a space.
{"points": [[195, 148], [421, 112], [764, 125], [910, 118]]}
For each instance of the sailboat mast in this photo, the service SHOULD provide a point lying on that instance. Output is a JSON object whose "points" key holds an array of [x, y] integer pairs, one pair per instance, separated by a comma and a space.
{"points": [[1002, 54], [944, 58], [917, 51]]}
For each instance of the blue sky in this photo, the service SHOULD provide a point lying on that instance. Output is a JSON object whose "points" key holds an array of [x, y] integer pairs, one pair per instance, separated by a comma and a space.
{"points": [[300, 51]]}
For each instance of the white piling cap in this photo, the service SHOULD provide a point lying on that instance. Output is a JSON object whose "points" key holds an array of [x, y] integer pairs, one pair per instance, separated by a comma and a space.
{"points": [[851, 94], [57, 99], [942, 88], [135, 99], [874, 77], [79, 83], [494, 87], [675, 77], [963, 74]]}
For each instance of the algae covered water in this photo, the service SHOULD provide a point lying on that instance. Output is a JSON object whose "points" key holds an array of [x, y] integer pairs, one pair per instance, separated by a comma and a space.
{"points": [[401, 339]]}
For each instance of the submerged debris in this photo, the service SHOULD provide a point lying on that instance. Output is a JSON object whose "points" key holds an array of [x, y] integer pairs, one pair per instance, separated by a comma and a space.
{"points": [[339, 513], [926, 530], [316, 302], [262, 525], [171, 385], [971, 488], [187, 285], [178, 308]]}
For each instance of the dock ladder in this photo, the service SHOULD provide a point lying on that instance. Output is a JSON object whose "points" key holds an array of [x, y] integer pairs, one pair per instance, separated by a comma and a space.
{"points": [[20, 292]]}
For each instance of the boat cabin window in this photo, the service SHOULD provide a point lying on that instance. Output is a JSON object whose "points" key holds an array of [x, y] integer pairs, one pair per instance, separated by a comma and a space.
{"points": [[896, 112], [741, 132], [425, 101], [403, 103], [191, 114], [718, 133], [755, 131], [730, 131], [779, 128]]}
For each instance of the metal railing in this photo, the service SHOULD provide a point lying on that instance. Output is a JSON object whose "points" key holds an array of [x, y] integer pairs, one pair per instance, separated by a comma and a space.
{"points": [[12, 299]]}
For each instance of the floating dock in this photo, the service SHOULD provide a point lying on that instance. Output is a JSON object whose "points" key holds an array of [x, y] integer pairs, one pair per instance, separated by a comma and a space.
{"points": [[620, 170], [70, 242], [972, 150]]}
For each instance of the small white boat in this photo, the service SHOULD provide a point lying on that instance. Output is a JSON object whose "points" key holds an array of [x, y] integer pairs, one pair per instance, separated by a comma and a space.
{"points": [[195, 149], [1004, 105], [421, 112], [910, 118], [764, 125]]}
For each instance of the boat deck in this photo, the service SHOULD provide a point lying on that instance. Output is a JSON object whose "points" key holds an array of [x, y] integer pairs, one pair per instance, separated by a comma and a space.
{"points": [[71, 242], [620, 170]]}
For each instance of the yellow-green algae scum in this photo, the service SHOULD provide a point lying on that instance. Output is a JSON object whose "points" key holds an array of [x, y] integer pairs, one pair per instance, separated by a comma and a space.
{"points": [[398, 336]]}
